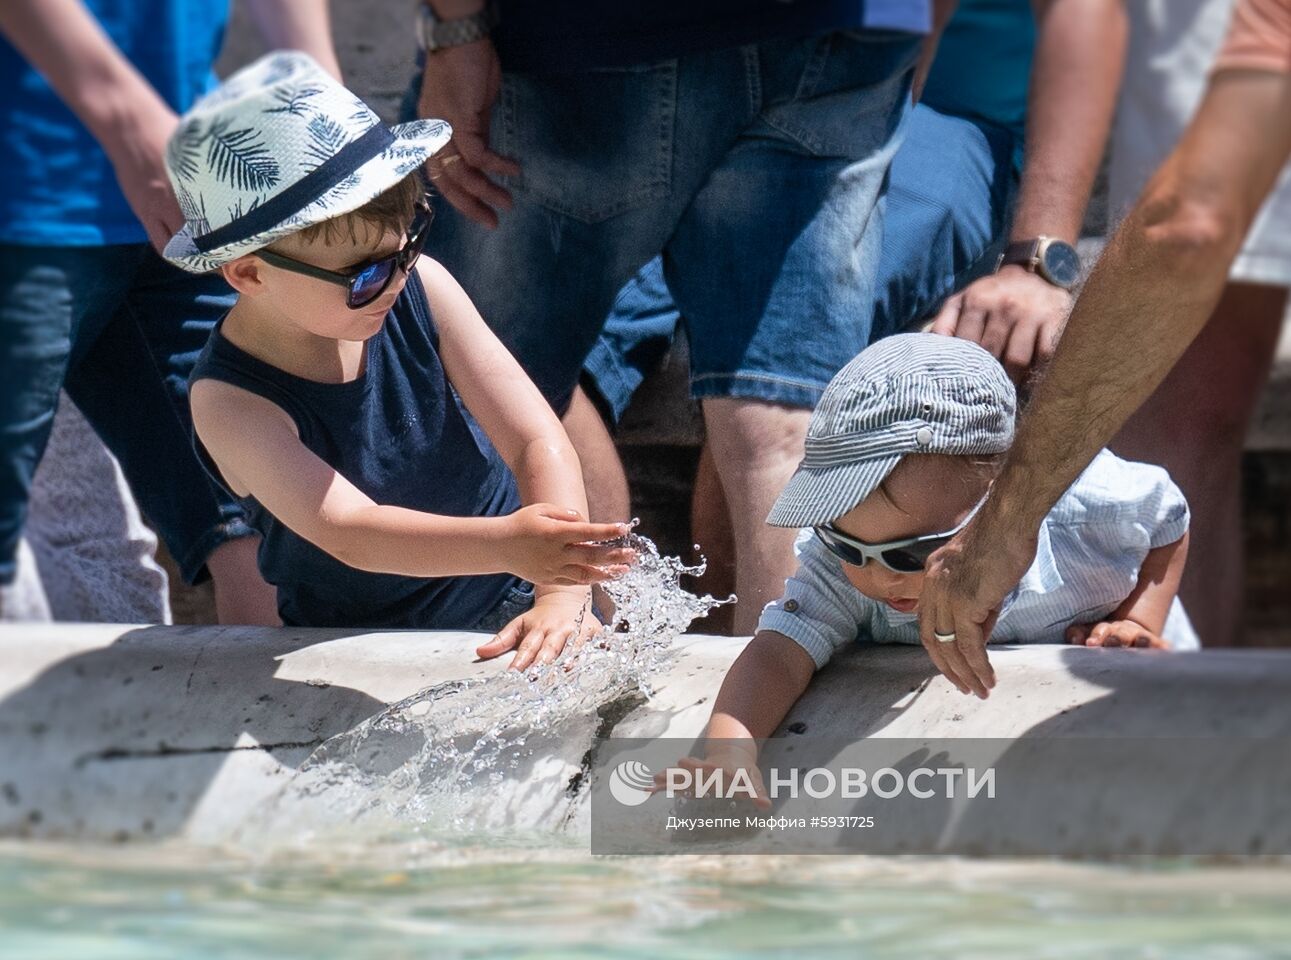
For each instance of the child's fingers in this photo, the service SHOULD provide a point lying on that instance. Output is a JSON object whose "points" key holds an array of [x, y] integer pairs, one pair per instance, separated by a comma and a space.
{"points": [[576, 530], [555, 642], [1077, 633], [528, 649], [599, 554], [1098, 635], [582, 574], [505, 640]]}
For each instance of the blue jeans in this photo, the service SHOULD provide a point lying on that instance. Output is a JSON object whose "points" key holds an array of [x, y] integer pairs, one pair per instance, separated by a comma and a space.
{"points": [[946, 210], [756, 170], [119, 328]]}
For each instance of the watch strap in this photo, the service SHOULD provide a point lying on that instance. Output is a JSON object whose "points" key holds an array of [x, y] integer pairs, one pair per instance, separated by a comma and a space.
{"points": [[436, 34], [1025, 252]]}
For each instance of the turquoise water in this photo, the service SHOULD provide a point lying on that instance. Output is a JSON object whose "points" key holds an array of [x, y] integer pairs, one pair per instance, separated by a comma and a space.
{"points": [[415, 898]]}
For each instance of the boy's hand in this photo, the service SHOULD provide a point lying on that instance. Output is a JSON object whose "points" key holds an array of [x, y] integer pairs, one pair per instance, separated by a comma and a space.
{"points": [[542, 632], [1115, 633], [554, 545], [729, 760]]}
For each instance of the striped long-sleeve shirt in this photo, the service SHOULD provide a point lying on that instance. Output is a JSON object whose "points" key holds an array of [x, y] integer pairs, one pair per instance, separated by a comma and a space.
{"points": [[1091, 546]]}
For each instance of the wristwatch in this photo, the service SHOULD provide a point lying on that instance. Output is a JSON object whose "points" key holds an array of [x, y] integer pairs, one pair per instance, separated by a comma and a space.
{"points": [[435, 33], [1052, 259]]}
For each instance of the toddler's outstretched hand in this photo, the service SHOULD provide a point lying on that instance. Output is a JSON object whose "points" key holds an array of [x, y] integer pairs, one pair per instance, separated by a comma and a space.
{"points": [[540, 634], [1115, 633], [547, 544]]}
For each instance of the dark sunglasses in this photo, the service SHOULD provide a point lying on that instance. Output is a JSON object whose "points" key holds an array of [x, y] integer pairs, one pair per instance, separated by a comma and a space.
{"points": [[899, 556], [363, 282]]}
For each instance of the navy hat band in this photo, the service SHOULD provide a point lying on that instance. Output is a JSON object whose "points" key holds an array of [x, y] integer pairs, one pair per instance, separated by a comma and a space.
{"points": [[302, 193]]}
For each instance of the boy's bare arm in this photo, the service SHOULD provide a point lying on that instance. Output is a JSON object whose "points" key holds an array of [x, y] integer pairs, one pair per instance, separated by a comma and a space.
{"points": [[501, 397], [503, 400], [1149, 603], [1141, 617], [765, 680], [256, 447]]}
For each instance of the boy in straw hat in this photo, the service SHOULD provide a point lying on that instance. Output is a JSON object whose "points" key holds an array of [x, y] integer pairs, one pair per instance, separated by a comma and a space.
{"points": [[900, 453], [399, 465]]}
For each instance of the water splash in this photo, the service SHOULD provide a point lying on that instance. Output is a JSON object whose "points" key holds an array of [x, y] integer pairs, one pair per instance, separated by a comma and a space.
{"points": [[504, 749]]}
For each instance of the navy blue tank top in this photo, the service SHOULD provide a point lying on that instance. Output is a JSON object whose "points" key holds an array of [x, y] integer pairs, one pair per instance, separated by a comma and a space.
{"points": [[401, 435]]}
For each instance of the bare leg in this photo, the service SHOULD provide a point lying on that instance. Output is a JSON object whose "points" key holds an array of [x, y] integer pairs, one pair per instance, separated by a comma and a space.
{"points": [[241, 594], [710, 526], [1195, 426], [603, 476], [756, 446]]}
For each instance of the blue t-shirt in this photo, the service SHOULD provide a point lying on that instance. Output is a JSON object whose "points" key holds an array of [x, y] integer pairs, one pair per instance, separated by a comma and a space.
{"points": [[57, 187], [565, 35], [983, 66]]}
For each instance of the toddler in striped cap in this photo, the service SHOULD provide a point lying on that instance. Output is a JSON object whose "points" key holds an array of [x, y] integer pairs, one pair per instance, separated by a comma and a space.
{"points": [[901, 451]]}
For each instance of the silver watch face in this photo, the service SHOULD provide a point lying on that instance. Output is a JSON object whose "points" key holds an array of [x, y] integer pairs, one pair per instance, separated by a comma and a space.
{"points": [[1061, 263]]}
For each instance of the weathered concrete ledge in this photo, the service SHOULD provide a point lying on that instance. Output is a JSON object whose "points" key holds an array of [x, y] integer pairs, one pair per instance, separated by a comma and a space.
{"points": [[110, 732]]}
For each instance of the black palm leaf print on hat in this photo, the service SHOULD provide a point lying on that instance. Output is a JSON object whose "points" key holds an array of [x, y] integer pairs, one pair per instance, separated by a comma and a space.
{"points": [[326, 137], [293, 101], [240, 158], [184, 150]]}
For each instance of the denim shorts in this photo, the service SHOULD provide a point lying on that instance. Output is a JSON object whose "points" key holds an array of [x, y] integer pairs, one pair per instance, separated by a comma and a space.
{"points": [[946, 210], [120, 329], [754, 170]]}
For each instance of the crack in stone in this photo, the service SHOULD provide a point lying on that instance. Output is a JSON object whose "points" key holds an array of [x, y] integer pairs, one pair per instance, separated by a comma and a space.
{"points": [[117, 753], [610, 714]]}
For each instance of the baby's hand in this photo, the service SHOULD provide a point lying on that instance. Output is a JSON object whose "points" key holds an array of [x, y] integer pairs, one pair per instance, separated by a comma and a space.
{"points": [[552, 545], [542, 632], [1115, 633], [729, 762]]}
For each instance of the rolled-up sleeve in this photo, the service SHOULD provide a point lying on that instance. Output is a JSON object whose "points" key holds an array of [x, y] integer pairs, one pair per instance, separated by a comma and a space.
{"points": [[818, 608]]}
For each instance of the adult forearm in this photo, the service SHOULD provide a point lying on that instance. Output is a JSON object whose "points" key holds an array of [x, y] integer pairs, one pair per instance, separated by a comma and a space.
{"points": [[1151, 293], [62, 40], [298, 25], [1135, 317], [1079, 58]]}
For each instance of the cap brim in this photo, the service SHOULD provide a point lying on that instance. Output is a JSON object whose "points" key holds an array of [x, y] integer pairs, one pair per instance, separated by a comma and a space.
{"points": [[415, 143], [816, 495]]}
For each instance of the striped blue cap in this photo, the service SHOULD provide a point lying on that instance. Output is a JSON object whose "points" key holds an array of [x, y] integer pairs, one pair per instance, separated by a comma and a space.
{"points": [[910, 393]]}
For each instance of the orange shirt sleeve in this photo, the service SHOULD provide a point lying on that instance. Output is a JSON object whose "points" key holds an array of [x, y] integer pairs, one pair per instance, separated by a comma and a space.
{"points": [[1259, 37]]}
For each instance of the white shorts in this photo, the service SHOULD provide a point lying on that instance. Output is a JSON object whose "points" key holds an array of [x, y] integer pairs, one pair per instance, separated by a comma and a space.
{"points": [[1172, 45]]}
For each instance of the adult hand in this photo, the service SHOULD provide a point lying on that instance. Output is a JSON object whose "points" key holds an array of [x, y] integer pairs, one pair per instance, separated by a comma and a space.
{"points": [[1015, 314], [460, 84], [138, 154], [547, 544], [964, 585]]}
